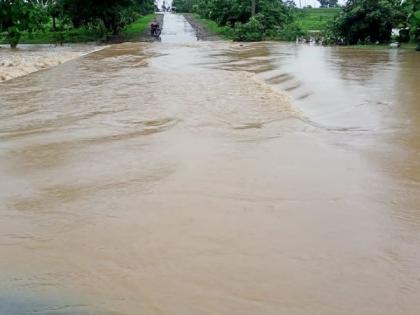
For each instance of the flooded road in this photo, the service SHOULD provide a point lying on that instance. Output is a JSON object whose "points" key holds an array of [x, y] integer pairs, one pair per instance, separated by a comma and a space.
{"points": [[189, 177]]}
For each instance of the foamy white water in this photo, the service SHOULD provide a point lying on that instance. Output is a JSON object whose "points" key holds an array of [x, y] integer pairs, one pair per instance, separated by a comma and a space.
{"points": [[31, 58]]}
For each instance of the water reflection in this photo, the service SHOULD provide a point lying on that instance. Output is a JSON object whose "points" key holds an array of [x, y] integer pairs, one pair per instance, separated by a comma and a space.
{"points": [[22, 304]]}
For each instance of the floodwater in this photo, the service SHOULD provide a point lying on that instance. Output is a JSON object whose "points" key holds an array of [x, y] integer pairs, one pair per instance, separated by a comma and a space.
{"points": [[212, 178], [31, 58]]}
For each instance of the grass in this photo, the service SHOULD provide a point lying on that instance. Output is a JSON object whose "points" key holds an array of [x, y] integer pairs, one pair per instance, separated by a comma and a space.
{"points": [[225, 32], [80, 35], [315, 18], [133, 30]]}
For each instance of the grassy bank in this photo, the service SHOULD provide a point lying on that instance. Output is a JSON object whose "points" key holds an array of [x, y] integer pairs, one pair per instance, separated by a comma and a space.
{"points": [[82, 35], [315, 18], [224, 32], [133, 30]]}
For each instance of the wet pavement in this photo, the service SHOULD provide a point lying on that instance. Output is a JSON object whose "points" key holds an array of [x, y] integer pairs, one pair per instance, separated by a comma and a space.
{"points": [[188, 177], [177, 30]]}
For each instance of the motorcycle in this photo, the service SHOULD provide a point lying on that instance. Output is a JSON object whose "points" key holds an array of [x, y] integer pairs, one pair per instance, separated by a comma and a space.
{"points": [[155, 32]]}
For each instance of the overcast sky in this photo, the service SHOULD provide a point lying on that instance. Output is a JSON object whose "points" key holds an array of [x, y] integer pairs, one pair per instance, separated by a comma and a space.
{"points": [[313, 3]]}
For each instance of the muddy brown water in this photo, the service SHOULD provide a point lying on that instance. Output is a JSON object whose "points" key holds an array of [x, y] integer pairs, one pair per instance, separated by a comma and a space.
{"points": [[212, 178]]}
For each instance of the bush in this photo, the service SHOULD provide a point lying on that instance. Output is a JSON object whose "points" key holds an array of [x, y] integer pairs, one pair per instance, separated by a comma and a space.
{"points": [[59, 37], [365, 22], [13, 36], [128, 16], [289, 32], [404, 36], [252, 31]]}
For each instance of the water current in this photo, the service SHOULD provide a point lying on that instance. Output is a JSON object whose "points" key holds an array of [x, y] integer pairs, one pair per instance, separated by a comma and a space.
{"points": [[190, 177]]}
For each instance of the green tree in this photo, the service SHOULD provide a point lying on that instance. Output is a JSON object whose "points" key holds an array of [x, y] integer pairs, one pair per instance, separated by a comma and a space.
{"points": [[411, 9], [112, 13], [17, 16], [185, 6], [366, 21]]}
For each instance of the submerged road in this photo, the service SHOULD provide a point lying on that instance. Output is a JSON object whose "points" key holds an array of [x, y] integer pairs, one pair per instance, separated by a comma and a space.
{"points": [[188, 177]]}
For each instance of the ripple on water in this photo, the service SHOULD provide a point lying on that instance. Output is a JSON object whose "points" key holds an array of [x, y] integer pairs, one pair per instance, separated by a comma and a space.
{"points": [[21, 304]]}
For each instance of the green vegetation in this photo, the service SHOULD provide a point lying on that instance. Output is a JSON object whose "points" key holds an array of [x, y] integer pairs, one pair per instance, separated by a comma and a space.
{"points": [[411, 8], [315, 19], [83, 34], [366, 21], [225, 32], [249, 20], [362, 22], [137, 27], [58, 21], [358, 22], [17, 16], [80, 35]]}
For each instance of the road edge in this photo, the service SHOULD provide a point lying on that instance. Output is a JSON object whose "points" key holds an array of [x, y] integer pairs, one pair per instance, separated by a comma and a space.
{"points": [[202, 32]]}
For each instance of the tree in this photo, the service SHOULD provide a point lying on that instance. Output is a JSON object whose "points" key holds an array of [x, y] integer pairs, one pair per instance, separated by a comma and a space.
{"points": [[366, 21], [109, 12], [185, 6], [55, 10], [17, 16], [411, 8]]}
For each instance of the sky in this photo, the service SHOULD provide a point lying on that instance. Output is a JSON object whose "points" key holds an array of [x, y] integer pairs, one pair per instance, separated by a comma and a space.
{"points": [[312, 3]]}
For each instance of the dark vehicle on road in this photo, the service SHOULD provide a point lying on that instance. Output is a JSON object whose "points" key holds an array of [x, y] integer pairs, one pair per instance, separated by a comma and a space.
{"points": [[155, 29]]}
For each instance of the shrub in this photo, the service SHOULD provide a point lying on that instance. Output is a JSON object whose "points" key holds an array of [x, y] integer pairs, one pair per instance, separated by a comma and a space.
{"points": [[13, 36], [365, 21], [289, 32], [251, 31]]}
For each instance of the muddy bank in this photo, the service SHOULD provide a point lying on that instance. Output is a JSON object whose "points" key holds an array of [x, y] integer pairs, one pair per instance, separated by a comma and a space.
{"points": [[31, 58], [203, 33]]}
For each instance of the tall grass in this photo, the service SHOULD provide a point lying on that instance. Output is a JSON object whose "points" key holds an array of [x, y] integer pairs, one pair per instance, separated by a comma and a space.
{"points": [[315, 18], [139, 26]]}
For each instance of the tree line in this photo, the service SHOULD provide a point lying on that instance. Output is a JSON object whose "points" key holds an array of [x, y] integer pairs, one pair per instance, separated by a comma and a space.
{"points": [[372, 21], [358, 21], [106, 16]]}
